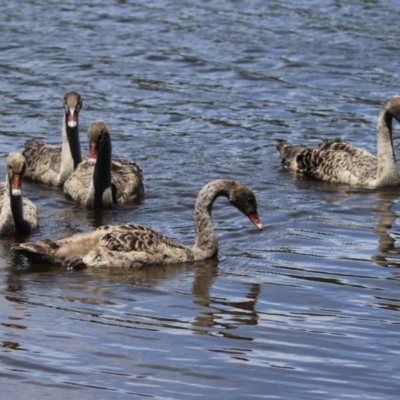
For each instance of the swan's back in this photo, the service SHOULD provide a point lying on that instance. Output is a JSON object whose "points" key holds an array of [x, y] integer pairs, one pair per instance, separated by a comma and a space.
{"points": [[128, 245], [77, 186], [126, 183], [43, 162], [127, 179], [334, 161], [133, 245]]}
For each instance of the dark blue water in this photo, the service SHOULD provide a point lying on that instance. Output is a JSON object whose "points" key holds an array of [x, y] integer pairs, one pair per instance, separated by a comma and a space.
{"points": [[194, 91]]}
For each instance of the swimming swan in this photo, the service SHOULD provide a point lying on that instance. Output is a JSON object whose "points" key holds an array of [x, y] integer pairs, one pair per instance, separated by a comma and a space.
{"points": [[50, 164], [99, 181], [18, 215], [134, 245], [338, 162]]}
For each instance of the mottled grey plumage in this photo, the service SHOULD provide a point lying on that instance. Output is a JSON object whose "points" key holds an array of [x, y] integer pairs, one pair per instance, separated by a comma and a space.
{"points": [[102, 182], [50, 164], [134, 245], [338, 162], [18, 215]]}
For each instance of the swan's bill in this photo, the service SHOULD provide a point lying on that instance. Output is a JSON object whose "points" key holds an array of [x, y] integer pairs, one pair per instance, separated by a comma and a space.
{"points": [[255, 219], [72, 118], [16, 185]]}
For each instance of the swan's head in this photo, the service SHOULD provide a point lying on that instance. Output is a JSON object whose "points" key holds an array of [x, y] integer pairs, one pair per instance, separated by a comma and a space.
{"points": [[72, 105], [98, 134], [245, 200], [15, 166]]}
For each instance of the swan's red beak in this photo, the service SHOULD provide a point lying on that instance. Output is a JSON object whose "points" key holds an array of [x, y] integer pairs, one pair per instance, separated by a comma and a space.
{"points": [[255, 219], [16, 185], [93, 154], [72, 118]]}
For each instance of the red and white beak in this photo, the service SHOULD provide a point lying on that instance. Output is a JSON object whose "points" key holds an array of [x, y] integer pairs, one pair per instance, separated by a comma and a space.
{"points": [[16, 184], [255, 219], [93, 153], [72, 118]]}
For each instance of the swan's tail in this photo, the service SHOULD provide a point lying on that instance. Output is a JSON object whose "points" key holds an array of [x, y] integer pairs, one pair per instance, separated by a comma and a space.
{"points": [[289, 153]]}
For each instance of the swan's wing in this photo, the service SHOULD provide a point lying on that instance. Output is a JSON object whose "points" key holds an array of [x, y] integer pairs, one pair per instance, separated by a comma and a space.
{"points": [[127, 246], [43, 161], [78, 184], [133, 237], [338, 161], [127, 180], [109, 246], [334, 160]]}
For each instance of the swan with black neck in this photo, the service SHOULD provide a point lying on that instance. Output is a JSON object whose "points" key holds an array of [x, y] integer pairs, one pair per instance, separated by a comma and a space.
{"points": [[18, 215], [52, 165]]}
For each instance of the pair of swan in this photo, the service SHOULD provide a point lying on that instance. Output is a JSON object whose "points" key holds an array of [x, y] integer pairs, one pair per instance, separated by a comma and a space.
{"points": [[132, 245], [94, 182], [338, 162]]}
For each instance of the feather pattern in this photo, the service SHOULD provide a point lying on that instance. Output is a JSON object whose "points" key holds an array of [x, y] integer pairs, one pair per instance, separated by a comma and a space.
{"points": [[132, 245], [100, 182], [339, 162], [52, 165], [18, 215]]}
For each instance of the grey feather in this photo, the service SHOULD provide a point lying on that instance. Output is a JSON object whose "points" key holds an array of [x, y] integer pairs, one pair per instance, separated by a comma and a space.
{"points": [[339, 162]]}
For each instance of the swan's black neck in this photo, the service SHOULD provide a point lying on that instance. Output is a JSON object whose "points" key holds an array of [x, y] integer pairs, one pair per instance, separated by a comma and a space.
{"points": [[21, 226], [102, 170], [387, 173], [74, 142]]}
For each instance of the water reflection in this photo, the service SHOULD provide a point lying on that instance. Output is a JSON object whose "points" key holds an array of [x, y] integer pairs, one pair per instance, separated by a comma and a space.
{"points": [[390, 253], [82, 292], [226, 314]]}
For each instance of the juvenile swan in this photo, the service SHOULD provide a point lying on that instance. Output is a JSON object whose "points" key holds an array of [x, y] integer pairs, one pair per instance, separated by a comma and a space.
{"points": [[17, 214], [338, 162], [52, 165], [99, 181], [134, 245]]}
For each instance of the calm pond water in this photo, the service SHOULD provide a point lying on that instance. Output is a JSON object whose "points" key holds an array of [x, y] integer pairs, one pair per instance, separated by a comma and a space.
{"points": [[194, 91]]}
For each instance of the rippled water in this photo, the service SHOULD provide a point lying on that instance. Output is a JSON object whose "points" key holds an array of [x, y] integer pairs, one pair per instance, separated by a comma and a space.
{"points": [[193, 91]]}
